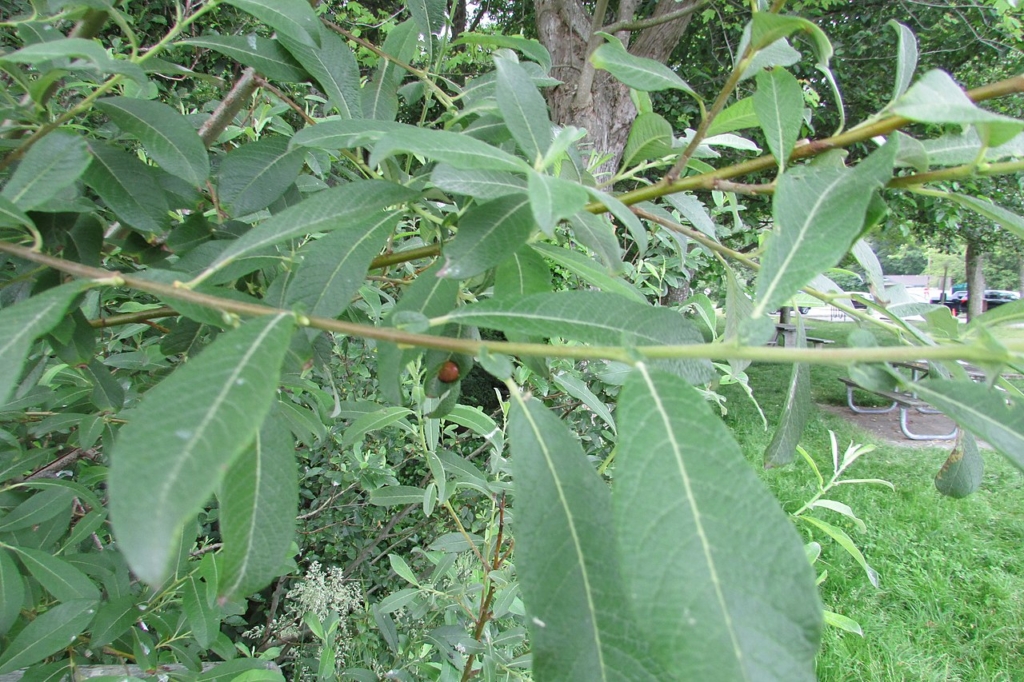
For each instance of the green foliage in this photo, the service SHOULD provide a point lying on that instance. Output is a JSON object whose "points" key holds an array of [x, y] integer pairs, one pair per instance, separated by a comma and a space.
{"points": [[279, 295]]}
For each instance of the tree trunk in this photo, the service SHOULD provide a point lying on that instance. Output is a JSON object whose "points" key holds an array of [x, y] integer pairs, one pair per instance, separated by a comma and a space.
{"points": [[974, 260], [605, 108]]}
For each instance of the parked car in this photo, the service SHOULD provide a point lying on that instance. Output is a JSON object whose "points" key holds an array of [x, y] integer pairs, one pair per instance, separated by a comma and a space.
{"points": [[995, 298], [956, 301]]}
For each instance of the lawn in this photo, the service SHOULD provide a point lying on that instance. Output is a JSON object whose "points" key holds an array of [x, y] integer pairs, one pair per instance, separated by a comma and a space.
{"points": [[950, 601]]}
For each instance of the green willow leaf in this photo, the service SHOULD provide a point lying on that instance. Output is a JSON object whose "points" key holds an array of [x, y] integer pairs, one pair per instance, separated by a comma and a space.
{"points": [[293, 18], [591, 317], [23, 323], [335, 135], [11, 215], [819, 212], [113, 619], [91, 51], [1005, 218], [257, 174], [47, 634], [589, 270], [334, 67], [482, 185], [265, 55], [374, 421], [202, 618], [796, 410], [458, 150], [527, 46], [640, 73], [184, 436], [128, 187], [722, 598], [47, 170], [169, 139], [579, 616], [779, 103], [984, 412], [524, 109], [488, 233], [258, 503], [325, 211], [961, 474], [906, 61], [12, 591], [597, 234], [392, 495], [650, 137], [334, 266], [553, 200], [58, 577], [738, 116], [40, 507], [380, 95], [521, 274], [936, 98]]}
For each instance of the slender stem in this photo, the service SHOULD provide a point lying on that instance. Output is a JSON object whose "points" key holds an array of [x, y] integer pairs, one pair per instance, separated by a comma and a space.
{"points": [[586, 80], [133, 318], [629, 25]]}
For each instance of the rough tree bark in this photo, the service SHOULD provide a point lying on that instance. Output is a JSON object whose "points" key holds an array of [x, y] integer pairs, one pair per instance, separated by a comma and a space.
{"points": [[564, 27], [975, 260]]}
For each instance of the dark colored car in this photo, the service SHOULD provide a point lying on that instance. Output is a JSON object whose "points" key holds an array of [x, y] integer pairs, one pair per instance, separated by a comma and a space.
{"points": [[956, 302], [995, 298]]}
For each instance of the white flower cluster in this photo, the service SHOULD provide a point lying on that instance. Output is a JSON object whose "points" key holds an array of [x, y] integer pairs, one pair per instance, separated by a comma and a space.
{"points": [[321, 592]]}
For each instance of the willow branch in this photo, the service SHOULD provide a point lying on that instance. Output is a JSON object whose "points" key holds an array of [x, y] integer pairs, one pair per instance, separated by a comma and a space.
{"points": [[639, 25], [229, 107], [978, 353], [133, 318]]}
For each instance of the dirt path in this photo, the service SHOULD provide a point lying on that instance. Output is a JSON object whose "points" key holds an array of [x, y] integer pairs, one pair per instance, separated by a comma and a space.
{"points": [[887, 426]]}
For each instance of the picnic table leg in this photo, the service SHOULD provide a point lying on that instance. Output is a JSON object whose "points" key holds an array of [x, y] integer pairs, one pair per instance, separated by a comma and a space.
{"points": [[905, 427], [866, 410]]}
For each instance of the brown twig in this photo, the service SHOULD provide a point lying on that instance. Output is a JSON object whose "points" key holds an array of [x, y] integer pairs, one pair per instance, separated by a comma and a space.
{"points": [[229, 106]]}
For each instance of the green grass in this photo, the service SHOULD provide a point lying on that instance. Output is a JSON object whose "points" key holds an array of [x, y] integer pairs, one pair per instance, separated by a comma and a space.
{"points": [[950, 601]]}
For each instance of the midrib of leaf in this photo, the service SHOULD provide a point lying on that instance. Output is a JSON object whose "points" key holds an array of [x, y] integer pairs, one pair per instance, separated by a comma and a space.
{"points": [[778, 122], [181, 156], [243, 567], [367, 234], [35, 180], [378, 90], [529, 128], [124, 188], [801, 236], [571, 523], [500, 222], [27, 328], [187, 454], [265, 170], [698, 522]]}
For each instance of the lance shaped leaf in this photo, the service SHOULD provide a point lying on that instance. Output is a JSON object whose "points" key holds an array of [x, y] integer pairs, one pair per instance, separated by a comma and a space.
{"points": [[334, 67], [23, 323], [526, 46], [483, 185], [722, 598], [47, 634], [553, 199], [184, 436], [257, 174], [906, 61], [47, 170], [640, 73], [738, 116], [461, 151], [1005, 218], [293, 18], [334, 266], [737, 309], [985, 412], [167, 136], [128, 187], [345, 134], [779, 103], [488, 234], [521, 274], [57, 576], [795, 410], [592, 317], [936, 98], [962, 471], [588, 270], [258, 503], [91, 51], [325, 211], [265, 55], [380, 95], [11, 215], [580, 618], [524, 109], [649, 138], [818, 212], [597, 234], [12, 591]]}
